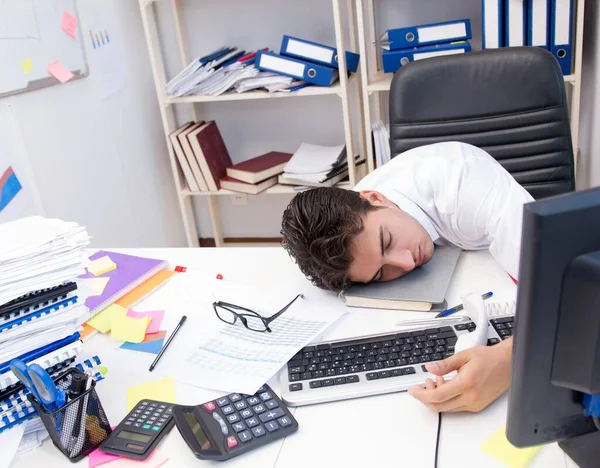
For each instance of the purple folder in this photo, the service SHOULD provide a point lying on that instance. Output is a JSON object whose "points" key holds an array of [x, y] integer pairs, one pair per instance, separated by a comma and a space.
{"points": [[131, 271]]}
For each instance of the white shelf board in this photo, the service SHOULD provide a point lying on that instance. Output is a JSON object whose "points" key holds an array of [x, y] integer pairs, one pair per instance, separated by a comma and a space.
{"points": [[382, 81], [275, 190]]}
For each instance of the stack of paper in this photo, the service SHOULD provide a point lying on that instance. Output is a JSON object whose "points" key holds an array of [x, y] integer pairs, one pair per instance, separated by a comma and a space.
{"points": [[267, 80], [381, 139], [41, 308]]}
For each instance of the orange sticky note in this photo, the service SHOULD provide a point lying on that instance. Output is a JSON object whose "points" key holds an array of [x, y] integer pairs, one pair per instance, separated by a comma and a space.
{"points": [[69, 24], [58, 71]]}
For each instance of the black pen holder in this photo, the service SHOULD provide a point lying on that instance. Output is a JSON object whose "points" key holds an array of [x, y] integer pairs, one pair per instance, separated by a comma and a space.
{"points": [[80, 426]]}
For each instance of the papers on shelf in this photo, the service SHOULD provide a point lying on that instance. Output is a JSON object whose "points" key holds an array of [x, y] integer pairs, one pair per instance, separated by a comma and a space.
{"points": [[381, 136], [212, 354]]}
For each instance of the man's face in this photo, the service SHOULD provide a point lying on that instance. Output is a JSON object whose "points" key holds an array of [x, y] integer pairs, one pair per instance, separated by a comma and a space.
{"points": [[391, 244]]}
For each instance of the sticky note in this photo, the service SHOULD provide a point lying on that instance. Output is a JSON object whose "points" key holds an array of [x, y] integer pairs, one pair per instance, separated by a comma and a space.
{"points": [[102, 321], [155, 460], [156, 318], [501, 449], [58, 71], [128, 328], [27, 65], [152, 344], [101, 265], [69, 24], [161, 390], [96, 285], [97, 458]]}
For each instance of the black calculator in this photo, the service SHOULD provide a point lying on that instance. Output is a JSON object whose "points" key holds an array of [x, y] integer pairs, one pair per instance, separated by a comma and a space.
{"points": [[234, 424], [141, 430]]}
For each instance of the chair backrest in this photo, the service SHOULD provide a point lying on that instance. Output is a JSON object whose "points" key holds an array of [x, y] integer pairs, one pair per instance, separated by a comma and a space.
{"points": [[510, 102]]}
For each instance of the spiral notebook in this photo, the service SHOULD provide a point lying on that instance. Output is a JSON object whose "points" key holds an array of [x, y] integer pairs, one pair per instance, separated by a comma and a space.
{"points": [[131, 271]]}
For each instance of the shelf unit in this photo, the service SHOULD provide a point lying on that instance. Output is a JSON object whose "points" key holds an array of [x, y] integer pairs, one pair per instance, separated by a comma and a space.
{"points": [[342, 89], [374, 82]]}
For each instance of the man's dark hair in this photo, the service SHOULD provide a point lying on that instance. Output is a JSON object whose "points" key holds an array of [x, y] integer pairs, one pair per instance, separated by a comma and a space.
{"points": [[317, 228]]}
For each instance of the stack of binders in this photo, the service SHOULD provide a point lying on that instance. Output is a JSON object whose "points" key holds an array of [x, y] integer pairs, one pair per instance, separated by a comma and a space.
{"points": [[404, 45], [547, 24], [308, 61], [41, 309]]}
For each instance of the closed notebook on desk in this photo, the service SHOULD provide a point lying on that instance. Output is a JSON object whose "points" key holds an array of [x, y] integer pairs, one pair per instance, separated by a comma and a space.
{"points": [[421, 289]]}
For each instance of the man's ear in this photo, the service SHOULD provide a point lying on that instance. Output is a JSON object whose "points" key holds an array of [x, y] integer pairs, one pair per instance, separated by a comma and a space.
{"points": [[374, 198]]}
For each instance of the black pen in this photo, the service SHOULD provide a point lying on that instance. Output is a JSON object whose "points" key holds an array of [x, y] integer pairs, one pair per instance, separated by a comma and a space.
{"points": [[168, 342]]}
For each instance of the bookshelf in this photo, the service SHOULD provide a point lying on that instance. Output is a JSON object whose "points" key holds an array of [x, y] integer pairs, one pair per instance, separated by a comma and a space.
{"points": [[342, 89], [375, 83]]}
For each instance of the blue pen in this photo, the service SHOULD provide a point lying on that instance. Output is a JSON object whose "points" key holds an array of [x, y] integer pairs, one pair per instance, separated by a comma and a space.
{"points": [[447, 312]]}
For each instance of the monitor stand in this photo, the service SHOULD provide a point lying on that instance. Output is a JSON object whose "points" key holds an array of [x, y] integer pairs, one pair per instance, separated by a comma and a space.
{"points": [[583, 450]]}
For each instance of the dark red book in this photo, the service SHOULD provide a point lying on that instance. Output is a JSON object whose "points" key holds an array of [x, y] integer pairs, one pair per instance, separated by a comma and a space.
{"points": [[211, 153], [260, 168]]}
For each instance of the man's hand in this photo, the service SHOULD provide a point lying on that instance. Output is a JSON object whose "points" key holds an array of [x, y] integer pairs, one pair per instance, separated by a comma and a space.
{"points": [[483, 375]]}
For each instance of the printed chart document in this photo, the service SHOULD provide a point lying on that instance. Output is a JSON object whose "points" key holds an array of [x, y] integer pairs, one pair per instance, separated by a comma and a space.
{"points": [[230, 358]]}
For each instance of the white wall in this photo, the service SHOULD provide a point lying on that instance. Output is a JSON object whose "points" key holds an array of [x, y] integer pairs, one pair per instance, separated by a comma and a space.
{"points": [[250, 128], [589, 164], [101, 160]]}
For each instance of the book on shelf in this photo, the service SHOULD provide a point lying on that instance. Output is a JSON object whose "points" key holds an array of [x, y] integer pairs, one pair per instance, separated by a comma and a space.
{"points": [[235, 185], [185, 155], [260, 168]]}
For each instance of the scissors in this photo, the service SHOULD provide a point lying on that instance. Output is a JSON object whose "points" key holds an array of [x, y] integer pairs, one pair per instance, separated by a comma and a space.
{"points": [[39, 383]]}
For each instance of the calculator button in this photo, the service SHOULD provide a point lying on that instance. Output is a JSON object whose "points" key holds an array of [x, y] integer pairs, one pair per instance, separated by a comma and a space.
{"points": [[210, 406], [231, 442], [140, 420], [169, 411], [143, 404], [272, 426], [222, 401], [146, 413], [221, 422], [274, 414], [240, 405], [239, 427], [285, 421], [157, 424], [245, 436], [258, 431], [271, 404], [246, 413], [266, 396], [152, 419], [227, 410], [254, 400], [235, 397], [128, 423], [261, 389], [162, 406], [233, 418], [152, 405], [251, 422], [156, 428], [162, 420], [146, 426], [137, 425], [259, 409]]}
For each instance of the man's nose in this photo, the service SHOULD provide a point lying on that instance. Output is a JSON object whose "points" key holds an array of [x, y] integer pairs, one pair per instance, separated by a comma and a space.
{"points": [[402, 259]]}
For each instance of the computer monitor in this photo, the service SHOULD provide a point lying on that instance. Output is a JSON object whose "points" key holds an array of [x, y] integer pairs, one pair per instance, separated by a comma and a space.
{"points": [[556, 349]]}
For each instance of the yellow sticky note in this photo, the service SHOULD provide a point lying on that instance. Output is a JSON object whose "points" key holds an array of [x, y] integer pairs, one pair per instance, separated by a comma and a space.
{"points": [[97, 285], [161, 390], [102, 321], [129, 329], [501, 449], [101, 265], [27, 65]]}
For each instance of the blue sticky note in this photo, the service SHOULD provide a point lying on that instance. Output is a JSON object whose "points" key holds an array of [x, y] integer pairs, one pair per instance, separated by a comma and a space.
{"points": [[151, 347], [9, 187]]}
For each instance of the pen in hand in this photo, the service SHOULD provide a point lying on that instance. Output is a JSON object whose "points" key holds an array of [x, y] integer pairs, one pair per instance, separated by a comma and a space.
{"points": [[447, 312]]}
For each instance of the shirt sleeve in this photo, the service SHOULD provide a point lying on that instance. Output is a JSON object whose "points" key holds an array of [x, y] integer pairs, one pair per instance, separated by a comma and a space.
{"points": [[489, 207]]}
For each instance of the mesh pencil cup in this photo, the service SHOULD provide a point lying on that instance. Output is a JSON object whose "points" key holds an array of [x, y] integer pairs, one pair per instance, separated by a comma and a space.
{"points": [[81, 425]]}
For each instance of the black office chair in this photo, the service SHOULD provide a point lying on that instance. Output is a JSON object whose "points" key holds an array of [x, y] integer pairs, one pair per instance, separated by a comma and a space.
{"points": [[510, 102]]}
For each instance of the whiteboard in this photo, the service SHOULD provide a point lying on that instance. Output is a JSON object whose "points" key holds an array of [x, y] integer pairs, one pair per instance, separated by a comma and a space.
{"points": [[31, 37]]}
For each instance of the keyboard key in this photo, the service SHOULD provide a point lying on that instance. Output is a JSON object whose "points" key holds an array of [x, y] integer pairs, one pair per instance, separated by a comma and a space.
{"points": [[273, 414], [340, 380], [306, 349], [397, 372], [327, 382], [259, 409], [231, 442], [245, 436], [432, 330], [272, 426], [315, 384], [384, 374], [251, 422], [352, 379], [323, 346], [297, 370], [293, 388], [271, 404], [437, 357], [239, 427], [415, 360], [306, 375], [493, 341], [294, 377], [409, 370], [461, 326], [246, 413], [258, 431], [372, 376]]}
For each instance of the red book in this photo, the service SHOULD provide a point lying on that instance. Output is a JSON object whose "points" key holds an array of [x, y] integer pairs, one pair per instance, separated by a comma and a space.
{"points": [[259, 168], [211, 153], [239, 186]]}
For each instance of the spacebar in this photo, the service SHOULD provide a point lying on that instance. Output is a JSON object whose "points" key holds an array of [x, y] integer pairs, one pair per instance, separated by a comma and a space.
{"points": [[374, 339]]}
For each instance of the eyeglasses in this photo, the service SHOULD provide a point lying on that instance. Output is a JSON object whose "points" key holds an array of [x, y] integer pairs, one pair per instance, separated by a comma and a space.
{"points": [[230, 313]]}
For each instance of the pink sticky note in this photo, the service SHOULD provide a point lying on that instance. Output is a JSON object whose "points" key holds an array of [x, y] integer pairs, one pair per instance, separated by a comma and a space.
{"points": [[97, 458], [58, 71], [156, 318], [69, 24]]}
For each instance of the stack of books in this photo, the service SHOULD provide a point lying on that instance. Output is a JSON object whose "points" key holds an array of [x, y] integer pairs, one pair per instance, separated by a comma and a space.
{"points": [[404, 45], [41, 307]]}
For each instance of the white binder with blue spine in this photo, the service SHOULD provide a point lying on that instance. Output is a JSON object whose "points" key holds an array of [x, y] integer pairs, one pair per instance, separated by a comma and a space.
{"points": [[492, 24], [394, 59], [318, 53], [309, 72], [538, 23], [425, 34], [561, 33], [516, 24]]}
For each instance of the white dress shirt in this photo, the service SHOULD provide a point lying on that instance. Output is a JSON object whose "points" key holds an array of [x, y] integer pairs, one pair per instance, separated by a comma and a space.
{"points": [[459, 194]]}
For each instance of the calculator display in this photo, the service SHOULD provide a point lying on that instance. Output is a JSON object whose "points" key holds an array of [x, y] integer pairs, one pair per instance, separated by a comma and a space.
{"points": [[134, 436], [197, 430]]}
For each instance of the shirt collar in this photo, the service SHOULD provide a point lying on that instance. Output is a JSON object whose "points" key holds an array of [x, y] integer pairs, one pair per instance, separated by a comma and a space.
{"points": [[409, 206]]}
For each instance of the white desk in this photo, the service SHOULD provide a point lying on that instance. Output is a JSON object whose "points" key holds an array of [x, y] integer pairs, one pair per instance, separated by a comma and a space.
{"points": [[383, 431]]}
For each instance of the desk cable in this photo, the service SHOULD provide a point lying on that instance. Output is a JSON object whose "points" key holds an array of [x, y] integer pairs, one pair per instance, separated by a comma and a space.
{"points": [[437, 440]]}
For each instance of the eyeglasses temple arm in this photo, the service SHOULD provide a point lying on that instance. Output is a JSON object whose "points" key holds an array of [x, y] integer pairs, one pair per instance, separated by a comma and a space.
{"points": [[273, 317]]}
